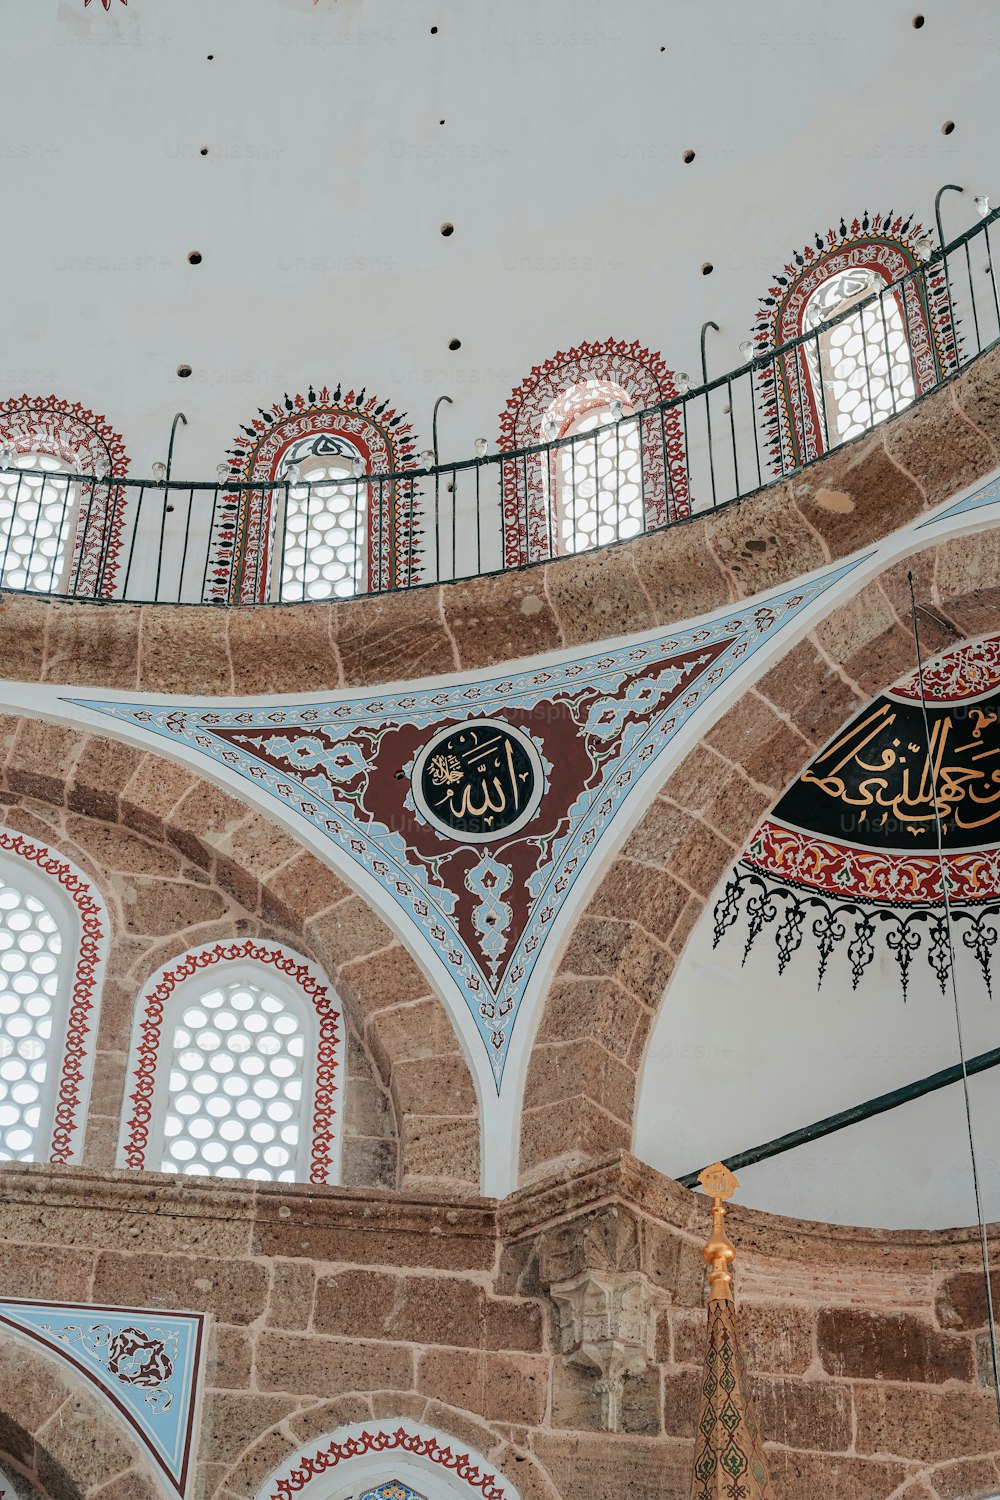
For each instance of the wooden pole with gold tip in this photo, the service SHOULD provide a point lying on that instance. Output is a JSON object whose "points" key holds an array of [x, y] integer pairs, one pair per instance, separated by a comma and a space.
{"points": [[729, 1452]]}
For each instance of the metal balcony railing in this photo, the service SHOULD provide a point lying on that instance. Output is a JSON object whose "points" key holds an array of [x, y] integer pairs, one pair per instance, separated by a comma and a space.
{"points": [[103, 538]]}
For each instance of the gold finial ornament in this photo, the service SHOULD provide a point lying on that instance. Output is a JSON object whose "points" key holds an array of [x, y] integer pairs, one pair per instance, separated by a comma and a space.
{"points": [[719, 1254], [718, 1181], [729, 1455]]}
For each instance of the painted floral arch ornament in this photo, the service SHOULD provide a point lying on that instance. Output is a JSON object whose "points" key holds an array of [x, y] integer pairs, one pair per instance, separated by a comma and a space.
{"points": [[86, 444], [885, 245], [242, 547], [321, 1119], [355, 1454], [616, 369], [79, 1021], [850, 855]]}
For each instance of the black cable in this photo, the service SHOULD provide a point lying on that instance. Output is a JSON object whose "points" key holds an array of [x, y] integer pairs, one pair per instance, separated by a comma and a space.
{"points": [[946, 900]]}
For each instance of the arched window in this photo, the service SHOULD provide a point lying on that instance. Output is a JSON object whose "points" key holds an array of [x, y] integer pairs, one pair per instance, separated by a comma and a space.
{"points": [[324, 522], [53, 935], [595, 483], [862, 364], [312, 527], [235, 1068], [891, 348], [57, 536], [591, 490], [39, 509]]}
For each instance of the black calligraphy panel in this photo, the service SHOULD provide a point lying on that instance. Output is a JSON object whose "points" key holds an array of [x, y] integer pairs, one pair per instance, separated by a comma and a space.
{"points": [[478, 781], [875, 784]]}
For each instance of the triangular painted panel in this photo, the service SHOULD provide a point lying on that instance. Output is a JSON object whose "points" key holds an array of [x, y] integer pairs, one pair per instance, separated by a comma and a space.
{"points": [[147, 1362], [380, 776], [987, 494]]}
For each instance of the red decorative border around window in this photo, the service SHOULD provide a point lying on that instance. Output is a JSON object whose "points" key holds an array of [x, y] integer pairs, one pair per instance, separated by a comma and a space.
{"points": [[323, 1131], [385, 1441], [884, 245], [86, 444], [526, 486], [81, 1014], [241, 545]]}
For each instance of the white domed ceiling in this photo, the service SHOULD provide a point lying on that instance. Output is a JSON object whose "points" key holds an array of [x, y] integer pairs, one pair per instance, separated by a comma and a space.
{"points": [[591, 161]]}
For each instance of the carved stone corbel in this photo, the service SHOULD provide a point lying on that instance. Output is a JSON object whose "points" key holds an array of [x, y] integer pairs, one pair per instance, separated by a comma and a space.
{"points": [[607, 1324]]}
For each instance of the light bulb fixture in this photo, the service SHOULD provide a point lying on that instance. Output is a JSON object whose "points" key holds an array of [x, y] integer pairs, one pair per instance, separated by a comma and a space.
{"points": [[924, 247], [616, 411], [746, 349], [222, 472], [550, 429], [427, 458], [982, 205], [682, 380], [159, 472], [6, 458], [357, 468], [482, 447], [291, 473], [104, 469]]}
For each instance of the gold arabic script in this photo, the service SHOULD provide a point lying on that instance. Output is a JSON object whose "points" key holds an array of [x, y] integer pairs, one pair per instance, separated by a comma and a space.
{"points": [[884, 767]]}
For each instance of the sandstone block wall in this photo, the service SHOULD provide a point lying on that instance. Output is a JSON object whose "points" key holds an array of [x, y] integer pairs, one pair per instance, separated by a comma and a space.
{"points": [[330, 1307]]}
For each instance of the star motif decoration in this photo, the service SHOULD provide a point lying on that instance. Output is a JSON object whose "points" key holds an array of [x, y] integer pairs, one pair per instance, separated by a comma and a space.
{"points": [[105, 3]]}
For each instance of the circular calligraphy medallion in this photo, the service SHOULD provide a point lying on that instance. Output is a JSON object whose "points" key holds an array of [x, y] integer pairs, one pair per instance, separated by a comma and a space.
{"points": [[478, 781]]}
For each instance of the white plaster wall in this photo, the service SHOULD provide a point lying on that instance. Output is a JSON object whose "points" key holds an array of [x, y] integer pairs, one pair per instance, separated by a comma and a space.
{"points": [[560, 164]]}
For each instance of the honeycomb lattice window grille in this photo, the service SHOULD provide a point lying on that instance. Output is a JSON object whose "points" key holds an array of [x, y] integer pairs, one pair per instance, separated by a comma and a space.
{"points": [[864, 365], [595, 483], [235, 1069], [235, 1087], [53, 934], [324, 530], [38, 515]]}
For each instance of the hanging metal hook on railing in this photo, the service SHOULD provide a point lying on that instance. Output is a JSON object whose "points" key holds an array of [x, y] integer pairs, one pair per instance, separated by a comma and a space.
{"points": [[180, 417], [437, 484], [161, 471], [434, 426], [949, 187], [709, 323]]}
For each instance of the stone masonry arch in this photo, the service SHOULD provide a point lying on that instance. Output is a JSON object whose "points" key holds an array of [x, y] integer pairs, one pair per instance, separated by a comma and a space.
{"points": [[583, 1072], [393, 1422], [285, 891], [63, 1438]]}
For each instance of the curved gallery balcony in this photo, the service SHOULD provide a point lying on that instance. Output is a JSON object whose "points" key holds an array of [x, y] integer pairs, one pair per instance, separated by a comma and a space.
{"points": [[329, 524]]}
